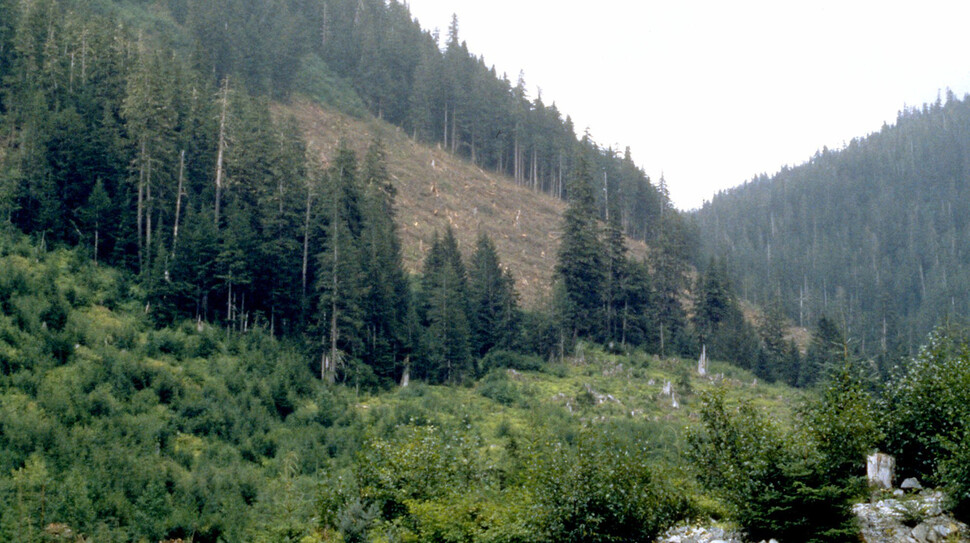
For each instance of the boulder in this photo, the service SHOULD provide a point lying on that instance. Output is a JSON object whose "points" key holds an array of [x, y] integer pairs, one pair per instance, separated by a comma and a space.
{"points": [[911, 483]]}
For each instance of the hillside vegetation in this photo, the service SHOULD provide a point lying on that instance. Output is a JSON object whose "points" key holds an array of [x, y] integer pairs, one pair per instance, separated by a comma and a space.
{"points": [[242, 300], [118, 431], [437, 190], [874, 235]]}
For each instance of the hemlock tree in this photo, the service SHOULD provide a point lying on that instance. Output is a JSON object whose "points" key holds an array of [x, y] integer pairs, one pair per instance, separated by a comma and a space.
{"points": [[826, 349], [615, 279]]}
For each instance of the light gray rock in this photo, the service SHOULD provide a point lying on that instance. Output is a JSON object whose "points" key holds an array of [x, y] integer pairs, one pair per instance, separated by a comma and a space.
{"points": [[881, 469], [922, 533], [911, 483]]}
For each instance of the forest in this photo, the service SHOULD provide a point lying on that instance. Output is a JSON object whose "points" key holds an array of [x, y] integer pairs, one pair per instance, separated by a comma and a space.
{"points": [[207, 332], [873, 235]]}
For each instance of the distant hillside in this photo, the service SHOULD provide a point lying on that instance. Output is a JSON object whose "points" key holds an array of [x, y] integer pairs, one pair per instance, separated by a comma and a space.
{"points": [[437, 189], [875, 235]]}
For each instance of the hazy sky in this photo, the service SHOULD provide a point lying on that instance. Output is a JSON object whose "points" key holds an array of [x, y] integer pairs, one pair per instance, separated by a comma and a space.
{"points": [[712, 93]]}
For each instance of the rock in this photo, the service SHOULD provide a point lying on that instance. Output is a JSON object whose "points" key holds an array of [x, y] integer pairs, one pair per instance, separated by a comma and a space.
{"points": [[881, 469], [886, 520], [922, 533], [911, 483], [899, 493]]}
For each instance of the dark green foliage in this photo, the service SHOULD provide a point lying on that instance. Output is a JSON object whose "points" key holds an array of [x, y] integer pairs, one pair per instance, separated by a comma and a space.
{"points": [[928, 406], [493, 302], [443, 309], [387, 298], [497, 358], [579, 267], [773, 481], [340, 278], [954, 472], [718, 320], [825, 352], [871, 232]]}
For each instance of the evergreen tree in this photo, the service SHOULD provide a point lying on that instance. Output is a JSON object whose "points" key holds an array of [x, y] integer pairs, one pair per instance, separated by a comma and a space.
{"points": [[492, 300], [718, 319], [637, 324], [615, 279], [339, 283], [444, 311], [825, 352], [579, 268], [386, 300]]}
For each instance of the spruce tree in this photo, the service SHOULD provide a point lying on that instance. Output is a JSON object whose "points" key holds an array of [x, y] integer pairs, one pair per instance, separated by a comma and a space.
{"points": [[339, 281], [580, 261], [443, 308], [492, 300], [386, 298], [616, 277]]}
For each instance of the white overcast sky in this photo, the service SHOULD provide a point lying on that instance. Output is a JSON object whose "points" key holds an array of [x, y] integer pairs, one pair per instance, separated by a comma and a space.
{"points": [[711, 93]]}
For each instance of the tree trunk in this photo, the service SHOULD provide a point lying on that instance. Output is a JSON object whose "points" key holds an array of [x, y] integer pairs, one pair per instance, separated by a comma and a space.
{"points": [[148, 216], [306, 241], [141, 207], [178, 203], [454, 130], [445, 140], [222, 146]]}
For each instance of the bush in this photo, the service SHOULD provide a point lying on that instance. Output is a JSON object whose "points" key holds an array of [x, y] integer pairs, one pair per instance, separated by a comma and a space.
{"points": [[497, 387], [601, 489], [508, 359], [928, 404], [772, 482], [955, 475]]}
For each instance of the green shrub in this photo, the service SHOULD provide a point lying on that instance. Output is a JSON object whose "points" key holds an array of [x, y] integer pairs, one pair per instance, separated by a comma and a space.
{"points": [[603, 488], [771, 481], [496, 386], [512, 360], [316, 80], [954, 473], [928, 404]]}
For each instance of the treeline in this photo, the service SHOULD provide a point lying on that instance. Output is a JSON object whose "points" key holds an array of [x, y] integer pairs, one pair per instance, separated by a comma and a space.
{"points": [[874, 234], [213, 205], [374, 53]]}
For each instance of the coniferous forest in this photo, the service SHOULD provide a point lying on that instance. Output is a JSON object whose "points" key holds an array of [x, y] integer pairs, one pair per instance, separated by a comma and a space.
{"points": [[208, 333], [872, 236]]}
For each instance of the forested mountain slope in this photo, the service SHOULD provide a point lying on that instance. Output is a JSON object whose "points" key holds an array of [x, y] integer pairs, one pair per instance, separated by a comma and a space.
{"points": [[437, 190], [875, 235]]}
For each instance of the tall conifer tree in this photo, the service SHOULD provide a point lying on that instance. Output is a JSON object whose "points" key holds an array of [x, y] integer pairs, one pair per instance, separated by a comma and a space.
{"points": [[580, 265]]}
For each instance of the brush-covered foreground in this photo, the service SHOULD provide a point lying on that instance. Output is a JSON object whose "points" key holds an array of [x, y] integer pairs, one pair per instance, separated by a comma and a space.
{"points": [[113, 430]]}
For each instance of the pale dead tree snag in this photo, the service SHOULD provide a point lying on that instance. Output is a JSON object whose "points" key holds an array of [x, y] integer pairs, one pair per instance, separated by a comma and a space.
{"points": [[306, 236], [139, 221], [222, 146], [178, 203], [148, 215]]}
